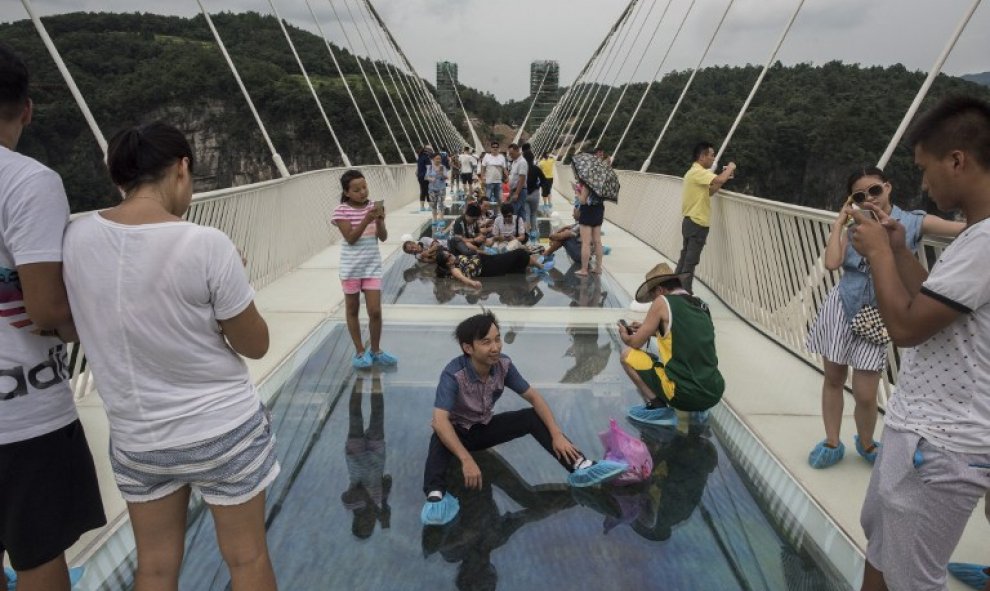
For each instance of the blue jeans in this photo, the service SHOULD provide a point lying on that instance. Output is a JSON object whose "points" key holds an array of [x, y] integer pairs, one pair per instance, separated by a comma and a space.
{"points": [[494, 191]]}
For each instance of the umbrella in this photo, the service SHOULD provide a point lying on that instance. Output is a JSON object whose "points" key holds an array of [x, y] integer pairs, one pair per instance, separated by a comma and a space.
{"points": [[598, 175]]}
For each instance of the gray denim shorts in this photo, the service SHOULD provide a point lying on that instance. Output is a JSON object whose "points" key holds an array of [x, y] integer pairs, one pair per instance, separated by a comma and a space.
{"points": [[229, 469]]}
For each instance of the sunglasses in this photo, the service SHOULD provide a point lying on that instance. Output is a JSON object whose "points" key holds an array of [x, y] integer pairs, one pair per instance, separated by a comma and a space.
{"points": [[871, 191]]}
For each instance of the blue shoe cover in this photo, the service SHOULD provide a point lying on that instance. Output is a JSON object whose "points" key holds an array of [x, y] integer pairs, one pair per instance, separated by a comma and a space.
{"points": [[606, 250], [441, 512], [918, 459], [362, 361], [384, 358], [974, 575], [491, 250], [823, 457], [870, 457], [665, 416], [699, 417], [75, 574], [597, 473], [547, 264]]}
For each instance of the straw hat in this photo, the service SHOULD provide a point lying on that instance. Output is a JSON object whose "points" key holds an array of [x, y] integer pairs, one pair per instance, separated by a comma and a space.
{"points": [[656, 276]]}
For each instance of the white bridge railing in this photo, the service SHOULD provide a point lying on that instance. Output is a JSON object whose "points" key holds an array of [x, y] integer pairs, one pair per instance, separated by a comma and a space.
{"points": [[763, 258], [279, 224]]}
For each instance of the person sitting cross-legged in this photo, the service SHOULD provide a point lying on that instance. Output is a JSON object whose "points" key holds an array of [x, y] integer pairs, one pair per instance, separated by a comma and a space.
{"points": [[681, 371], [464, 421]]}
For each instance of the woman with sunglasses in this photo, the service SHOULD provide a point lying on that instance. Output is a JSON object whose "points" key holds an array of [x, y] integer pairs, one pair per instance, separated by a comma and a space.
{"points": [[831, 335]]}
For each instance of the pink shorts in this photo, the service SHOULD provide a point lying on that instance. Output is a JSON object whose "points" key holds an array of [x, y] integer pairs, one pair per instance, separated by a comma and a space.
{"points": [[352, 286]]}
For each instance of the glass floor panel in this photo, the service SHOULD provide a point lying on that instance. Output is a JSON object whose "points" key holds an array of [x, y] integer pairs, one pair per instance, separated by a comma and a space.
{"points": [[344, 512], [408, 282]]}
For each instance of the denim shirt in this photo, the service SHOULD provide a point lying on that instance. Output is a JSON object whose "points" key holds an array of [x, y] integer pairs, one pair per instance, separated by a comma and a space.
{"points": [[856, 285]]}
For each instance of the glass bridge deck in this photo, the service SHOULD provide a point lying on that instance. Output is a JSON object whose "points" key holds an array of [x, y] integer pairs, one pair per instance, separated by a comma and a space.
{"points": [[344, 513]]}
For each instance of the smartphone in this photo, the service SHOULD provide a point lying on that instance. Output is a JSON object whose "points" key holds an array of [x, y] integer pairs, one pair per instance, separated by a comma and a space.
{"points": [[380, 205], [629, 329]]}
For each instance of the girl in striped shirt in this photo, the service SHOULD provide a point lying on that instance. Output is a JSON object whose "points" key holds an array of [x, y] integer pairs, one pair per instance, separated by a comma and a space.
{"points": [[362, 225]]}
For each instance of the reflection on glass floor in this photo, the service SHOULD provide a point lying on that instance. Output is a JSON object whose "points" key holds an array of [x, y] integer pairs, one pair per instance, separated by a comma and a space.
{"points": [[409, 282], [344, 513]]}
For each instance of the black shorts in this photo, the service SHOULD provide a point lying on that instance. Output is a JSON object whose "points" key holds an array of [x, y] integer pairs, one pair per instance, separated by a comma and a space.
{"points": [[49, 497], [466, 177], [546, 185], [592, 215]]}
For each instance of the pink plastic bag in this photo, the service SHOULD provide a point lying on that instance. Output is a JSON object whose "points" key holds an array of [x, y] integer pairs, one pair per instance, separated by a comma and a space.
{"points": [[623, 447]]}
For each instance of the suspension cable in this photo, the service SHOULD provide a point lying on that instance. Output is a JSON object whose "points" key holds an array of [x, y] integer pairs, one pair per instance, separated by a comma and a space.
{"points": [[309, 83], [94, 128], [632, 76], [515, 140], [586, 107], [652, 80], [367, 81], [374, 64], [680, 99], [347, 86], [390, 67], [279, 164], [558, 107], [413, 79], [932, 74], [756, 85], [474, 135]]}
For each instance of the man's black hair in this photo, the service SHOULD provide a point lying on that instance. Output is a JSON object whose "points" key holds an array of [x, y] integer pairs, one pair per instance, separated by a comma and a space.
{"points": [[955, 123], [475, 328], [14, 81], [506, 209], [472, 210], [699, 149]]}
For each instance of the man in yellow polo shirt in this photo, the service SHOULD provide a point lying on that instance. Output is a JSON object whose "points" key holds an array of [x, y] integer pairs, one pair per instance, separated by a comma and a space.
{"points": [[700, 183]]}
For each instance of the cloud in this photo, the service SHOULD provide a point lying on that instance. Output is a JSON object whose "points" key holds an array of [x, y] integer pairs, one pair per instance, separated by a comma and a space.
{"points": [[493, 43]]}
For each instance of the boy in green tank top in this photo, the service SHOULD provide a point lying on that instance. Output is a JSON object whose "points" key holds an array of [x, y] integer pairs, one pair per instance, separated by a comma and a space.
{"points": [[682, 371]]}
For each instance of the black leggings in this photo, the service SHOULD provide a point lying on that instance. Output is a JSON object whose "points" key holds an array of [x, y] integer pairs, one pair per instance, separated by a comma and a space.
{"points": [[424, 189], [496, 265], [503, 427]]}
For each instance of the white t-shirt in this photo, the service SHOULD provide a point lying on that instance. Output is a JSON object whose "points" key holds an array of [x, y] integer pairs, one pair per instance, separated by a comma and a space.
{"points": [[943, 389], [467, 163], [493, 166], [520, 168], [146, 300], [35, 397]]}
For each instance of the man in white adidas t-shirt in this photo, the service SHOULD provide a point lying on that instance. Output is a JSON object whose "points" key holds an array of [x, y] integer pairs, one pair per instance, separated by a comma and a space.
{"points": [[44, 459], [934, 462]]}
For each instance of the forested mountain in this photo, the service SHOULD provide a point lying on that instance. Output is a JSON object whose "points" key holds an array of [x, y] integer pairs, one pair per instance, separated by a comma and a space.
{"points": [[807, 128], [981, 78]]}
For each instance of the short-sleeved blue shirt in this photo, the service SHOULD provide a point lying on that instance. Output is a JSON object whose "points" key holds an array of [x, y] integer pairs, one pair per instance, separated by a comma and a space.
{"points": [[468, 397]]}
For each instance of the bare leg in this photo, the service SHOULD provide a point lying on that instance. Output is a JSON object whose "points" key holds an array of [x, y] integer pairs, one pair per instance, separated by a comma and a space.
{"points": [[352, 305], [835, 379], [241, 535], [50, 576], [160, 536], [585, 251], [596, 236], [872, 579], [644, 391], [373, 301], [864, 387]]}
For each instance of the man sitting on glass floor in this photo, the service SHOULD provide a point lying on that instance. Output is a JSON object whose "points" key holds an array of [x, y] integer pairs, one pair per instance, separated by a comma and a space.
{"points": [[463, 420]]}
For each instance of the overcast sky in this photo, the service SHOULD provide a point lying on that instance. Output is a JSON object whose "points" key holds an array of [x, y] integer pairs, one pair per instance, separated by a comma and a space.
{"points": [[494, 42]]}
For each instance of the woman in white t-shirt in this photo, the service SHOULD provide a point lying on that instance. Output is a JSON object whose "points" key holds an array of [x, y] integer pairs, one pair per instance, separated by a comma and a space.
{"points": [[163, 307]]}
